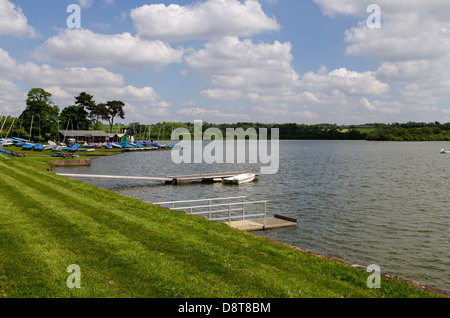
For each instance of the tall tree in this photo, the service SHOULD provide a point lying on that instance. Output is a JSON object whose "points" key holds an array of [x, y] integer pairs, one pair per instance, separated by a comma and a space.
{"points": [[115, 109], [98, 112], [77, 115], [41, 114], [85, 101]]}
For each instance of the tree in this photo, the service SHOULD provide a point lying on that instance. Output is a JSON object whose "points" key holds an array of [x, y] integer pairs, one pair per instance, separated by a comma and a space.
{"points": [[85, 101], [99, 111], [86, 104], [41, 114], [114, 109], [77, 115]]}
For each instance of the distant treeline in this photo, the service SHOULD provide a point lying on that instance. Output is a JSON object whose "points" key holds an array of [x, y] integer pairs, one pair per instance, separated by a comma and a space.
{"points": [[410, 131], [286, 131]]}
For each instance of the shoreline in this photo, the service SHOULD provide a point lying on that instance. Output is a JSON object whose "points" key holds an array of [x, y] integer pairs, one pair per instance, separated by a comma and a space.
{"points": [[354, 265], [418, 285]]}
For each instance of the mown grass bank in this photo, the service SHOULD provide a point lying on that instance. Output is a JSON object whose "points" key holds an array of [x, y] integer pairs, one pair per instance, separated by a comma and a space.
{"points": [[43, 159], [129, 248]]}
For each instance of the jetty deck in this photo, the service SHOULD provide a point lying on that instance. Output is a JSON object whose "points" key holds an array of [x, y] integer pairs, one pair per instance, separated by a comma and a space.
{"points": [[201, 177], [277, 221], [97, 176], [225, 212]]}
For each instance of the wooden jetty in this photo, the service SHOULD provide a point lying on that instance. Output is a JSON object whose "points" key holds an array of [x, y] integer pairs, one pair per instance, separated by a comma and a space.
{"points": [[97, 176], [173, 180], [226, 212], [277, 221]]}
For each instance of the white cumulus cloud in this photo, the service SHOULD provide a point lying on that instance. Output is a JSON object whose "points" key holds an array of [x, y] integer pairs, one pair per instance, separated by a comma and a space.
{"points": [[236, 64], [211, 19], [13, 21], [347, 82], [78, 47]]}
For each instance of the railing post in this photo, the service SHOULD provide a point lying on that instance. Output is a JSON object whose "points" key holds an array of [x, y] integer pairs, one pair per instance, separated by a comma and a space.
{"points": [[209, 212], [229, 214], [243, 211], [265, 213]]}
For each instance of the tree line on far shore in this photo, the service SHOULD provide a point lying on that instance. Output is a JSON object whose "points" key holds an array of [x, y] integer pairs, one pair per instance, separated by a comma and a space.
{"points": [[410, 131], [42, 118]]}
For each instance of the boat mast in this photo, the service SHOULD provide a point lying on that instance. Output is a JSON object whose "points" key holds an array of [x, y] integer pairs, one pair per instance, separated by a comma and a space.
{"points": [[1, 130], [65, 134], [10, 127], [31, 127]]}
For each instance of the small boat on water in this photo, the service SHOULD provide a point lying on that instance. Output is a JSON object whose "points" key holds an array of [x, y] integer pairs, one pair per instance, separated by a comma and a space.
{"points": [[240, 178], [445, 151]]}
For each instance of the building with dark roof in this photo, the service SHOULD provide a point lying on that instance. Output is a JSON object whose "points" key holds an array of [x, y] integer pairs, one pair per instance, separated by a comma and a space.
{"points": [[84, 135]]}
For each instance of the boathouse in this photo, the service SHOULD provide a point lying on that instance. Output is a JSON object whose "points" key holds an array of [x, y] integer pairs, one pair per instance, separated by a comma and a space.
{"points": [[118, 138], [84, 135]]}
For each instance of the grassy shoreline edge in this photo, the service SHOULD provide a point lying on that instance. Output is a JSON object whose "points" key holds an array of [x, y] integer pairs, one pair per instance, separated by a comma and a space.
{"points": [[148, 250]]}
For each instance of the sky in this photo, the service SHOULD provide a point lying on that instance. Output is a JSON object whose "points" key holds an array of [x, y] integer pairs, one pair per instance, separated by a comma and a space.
{"points": [[227, 61]]}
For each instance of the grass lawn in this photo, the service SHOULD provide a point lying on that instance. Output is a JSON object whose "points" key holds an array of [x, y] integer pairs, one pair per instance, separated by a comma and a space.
{"points": [[128, 248]]}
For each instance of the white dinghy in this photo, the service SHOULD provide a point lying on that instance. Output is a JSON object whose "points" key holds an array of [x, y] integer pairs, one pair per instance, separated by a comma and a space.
{"points": [[240, 178]]}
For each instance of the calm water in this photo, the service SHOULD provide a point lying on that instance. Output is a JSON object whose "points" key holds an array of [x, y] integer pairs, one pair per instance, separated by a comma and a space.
{"points": [[367, 202]]}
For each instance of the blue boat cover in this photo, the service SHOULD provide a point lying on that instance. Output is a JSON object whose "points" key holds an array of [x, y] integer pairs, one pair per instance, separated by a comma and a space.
{"points": [[27, 146], [38, 147], [74, 148], [6, 152]]}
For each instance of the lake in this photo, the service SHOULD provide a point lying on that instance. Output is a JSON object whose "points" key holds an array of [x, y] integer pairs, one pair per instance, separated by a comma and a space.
{"points": [[384, 203]]}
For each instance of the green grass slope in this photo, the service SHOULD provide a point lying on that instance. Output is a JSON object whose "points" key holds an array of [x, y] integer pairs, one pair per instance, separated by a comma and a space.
{"points": [[128, 248]]}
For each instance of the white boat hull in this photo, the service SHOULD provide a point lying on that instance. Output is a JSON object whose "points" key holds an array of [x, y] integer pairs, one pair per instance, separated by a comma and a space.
{"points": [[240, 178]]}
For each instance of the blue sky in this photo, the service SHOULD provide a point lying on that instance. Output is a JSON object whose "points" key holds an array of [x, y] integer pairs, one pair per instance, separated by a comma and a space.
{"points": [[222, 61]]}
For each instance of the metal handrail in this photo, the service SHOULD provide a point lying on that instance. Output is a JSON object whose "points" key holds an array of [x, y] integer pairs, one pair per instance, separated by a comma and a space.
{"points": [[200, 200], [216, 205], [229, 210]]}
